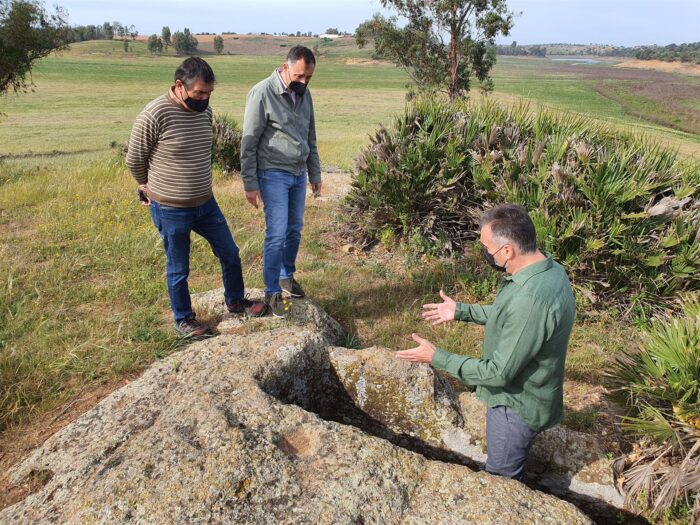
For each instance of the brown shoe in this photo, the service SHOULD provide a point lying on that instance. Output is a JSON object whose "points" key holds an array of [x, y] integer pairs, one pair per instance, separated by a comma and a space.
{"points": [[248, 307], [190, 328]]}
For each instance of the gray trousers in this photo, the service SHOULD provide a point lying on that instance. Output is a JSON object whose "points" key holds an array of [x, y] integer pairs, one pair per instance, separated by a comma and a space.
{"points": [[508, 441]]}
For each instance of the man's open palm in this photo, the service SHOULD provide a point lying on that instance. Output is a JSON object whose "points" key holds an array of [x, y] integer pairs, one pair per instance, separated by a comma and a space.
{"points": [[439, 313]]}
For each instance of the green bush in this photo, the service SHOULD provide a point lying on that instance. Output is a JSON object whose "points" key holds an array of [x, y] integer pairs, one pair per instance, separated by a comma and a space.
{"points": [[620, 212], [226, 148], [661, 387]]}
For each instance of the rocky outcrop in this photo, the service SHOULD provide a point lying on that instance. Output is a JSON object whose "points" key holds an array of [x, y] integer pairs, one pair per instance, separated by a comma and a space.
{"points": [[271, 423]]}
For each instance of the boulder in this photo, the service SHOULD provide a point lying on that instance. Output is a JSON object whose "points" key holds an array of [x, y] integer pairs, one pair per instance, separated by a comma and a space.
{"points": [[257, 426]]}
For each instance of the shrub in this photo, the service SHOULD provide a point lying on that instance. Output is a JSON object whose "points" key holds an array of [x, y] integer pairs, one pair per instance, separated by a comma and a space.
{"points": [[620, 212], [661, 387], [226, 148]]}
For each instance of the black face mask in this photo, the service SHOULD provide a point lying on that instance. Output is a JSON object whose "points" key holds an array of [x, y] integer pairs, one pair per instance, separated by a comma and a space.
{"points": [[194, 104], [490, 259], [197, 105], [298, 87]]}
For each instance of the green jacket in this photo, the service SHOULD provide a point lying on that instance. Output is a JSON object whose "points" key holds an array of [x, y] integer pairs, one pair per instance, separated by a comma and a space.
{"points": [[278, 135], [525, 340]]}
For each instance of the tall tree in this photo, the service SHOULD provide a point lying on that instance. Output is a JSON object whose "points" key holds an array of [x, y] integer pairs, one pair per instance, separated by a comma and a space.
{"points": [[108, 30], [184, 42], [155, 44], [27, 33], [165, 36], [443, 43], [218, 44]]}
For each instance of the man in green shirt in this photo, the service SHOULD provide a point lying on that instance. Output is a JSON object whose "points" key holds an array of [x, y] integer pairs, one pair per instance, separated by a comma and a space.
{"points": [[520, 375]]}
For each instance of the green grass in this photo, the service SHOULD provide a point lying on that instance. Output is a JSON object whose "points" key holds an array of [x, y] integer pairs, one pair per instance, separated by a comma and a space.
{"points": [[82, 104], [539, 81]]}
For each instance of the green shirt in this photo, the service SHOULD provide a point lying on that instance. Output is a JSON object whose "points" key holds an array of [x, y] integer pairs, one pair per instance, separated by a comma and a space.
{"points": [[526, 335], [278, 134]]}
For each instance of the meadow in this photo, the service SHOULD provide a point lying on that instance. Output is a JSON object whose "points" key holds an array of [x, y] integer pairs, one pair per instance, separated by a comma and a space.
{"points": [[83, 301]]}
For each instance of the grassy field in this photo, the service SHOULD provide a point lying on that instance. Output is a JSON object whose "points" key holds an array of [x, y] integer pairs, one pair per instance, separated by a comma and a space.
{"points": [[83, 300]]}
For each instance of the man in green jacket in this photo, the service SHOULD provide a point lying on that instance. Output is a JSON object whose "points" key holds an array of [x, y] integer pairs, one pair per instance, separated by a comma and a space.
{"points": [[278, 151], [520, 376]]}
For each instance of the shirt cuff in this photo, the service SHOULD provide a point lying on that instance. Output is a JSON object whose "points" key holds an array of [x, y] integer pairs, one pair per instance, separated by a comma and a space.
{"points": [[462, 312], [251, 185], [440, 358]]}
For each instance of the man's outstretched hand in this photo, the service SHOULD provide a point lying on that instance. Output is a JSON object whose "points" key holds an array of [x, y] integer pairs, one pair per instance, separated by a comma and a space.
{"points": [[423, 353], [439, 313]]}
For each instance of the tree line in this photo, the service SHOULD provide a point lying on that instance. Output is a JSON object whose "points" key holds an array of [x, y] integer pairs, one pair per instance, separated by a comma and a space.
{"points": [[688, 53], [515, 50]]}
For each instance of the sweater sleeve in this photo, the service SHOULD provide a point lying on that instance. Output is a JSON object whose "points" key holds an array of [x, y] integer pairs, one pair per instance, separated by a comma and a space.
{"points": [[254, 122], [144, 137], [313, 163]]}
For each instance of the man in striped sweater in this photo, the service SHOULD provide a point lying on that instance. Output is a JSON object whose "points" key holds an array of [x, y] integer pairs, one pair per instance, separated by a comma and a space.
{"points": [[170, 158]]}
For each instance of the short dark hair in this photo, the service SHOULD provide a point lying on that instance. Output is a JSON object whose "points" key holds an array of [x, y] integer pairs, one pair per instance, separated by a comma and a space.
{"points": [[303, 52], [194, 68], [512, 223]]}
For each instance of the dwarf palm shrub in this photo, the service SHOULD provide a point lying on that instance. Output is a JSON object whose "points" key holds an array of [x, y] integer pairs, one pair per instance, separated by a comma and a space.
{"points": [[226, 148], [620, 212], [661, 387]]}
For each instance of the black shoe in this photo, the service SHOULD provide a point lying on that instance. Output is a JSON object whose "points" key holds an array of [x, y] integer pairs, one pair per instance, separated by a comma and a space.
{"points": [[248, 307], [278, 304], [292, 287], [190, 328]]}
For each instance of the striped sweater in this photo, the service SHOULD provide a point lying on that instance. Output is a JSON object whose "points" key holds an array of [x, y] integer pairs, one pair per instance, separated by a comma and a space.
{"points": [[170, 150]]}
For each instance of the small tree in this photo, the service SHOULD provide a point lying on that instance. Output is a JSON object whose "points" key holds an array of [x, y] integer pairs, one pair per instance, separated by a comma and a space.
{"points": [[332, 30], [126, 46], [184, 42], [165, 36], [108, 31], [471, 27], [155, 44], [218, 44], [27, 33]]}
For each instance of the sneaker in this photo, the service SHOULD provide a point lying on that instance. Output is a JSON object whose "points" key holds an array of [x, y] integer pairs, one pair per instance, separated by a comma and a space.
{"points": [[248, 307], [292, 287], [278, 304], [190, 328]]}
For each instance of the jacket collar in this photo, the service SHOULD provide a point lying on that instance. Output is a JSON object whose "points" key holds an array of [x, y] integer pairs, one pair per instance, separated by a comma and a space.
{"points": [[280, 88]]}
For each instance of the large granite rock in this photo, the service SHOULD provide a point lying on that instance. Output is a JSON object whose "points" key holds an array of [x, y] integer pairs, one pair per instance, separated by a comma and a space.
{"points": [[258, 426]]}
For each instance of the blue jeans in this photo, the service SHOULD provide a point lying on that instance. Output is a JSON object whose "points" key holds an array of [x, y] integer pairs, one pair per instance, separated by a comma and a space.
{"points": [[508, 442], [283, 195], [174, 226]]}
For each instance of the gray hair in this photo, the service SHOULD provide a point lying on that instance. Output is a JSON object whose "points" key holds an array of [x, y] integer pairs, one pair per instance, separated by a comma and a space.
{"points": [[511, 224]]}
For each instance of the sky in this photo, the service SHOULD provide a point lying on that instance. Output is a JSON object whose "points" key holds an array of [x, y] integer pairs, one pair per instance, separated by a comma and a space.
{"points": [[617, 22]]}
